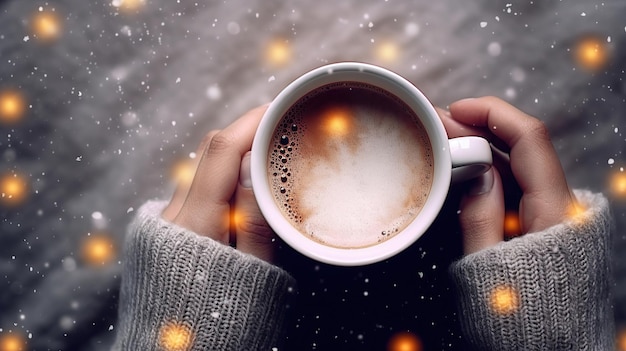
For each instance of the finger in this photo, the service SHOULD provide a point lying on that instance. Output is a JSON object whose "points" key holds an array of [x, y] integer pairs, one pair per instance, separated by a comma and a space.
{"points": [[482, 213], [457, 129], [182, 189], [206, 210], [499, 150], [534, 162], [252, 233]]}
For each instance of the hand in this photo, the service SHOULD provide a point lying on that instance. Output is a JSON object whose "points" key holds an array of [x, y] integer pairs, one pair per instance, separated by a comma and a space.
{"points": [[219, 203], [533, 164]]}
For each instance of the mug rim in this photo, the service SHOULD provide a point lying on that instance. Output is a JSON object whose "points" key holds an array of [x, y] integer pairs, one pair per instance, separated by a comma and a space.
{"points": [[406, 92]]}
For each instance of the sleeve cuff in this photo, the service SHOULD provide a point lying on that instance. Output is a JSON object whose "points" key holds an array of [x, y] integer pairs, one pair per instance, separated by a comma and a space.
{"points": [[209, 295], [542, 291]]}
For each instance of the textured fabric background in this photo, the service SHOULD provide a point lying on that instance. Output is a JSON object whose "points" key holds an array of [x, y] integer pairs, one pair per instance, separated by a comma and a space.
{"points": [[121, 96]]}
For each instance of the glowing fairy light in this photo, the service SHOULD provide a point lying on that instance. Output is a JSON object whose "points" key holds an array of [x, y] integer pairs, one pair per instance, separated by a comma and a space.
{"points": [[175, 337], [337, 121], [13, 189], [404, 341], [12, 106], [278, 52], [183, 172], [620, 339], [618, 184], [128, 5], [11, 342], [512, 227], [577, 213], [504, 300], [46, 26], [591, 53], [98, 250], [387, 52], [235, 217]]}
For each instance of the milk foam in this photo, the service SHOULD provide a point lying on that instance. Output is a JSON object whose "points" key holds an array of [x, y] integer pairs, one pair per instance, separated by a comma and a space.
{"points": [[350, 166]]}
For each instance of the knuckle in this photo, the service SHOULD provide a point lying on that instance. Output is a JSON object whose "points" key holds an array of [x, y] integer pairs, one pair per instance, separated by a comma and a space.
{"points": [[208, 137], [255, 228], [492, 99], [476, 223], [537, 129], [220, 142]]}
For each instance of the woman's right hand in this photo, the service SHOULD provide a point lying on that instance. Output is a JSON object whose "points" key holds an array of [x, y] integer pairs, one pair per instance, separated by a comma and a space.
{"points": [[220, 203]]}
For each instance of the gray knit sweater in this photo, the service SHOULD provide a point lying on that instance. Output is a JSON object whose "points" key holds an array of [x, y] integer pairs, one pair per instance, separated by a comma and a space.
{"points": [[543, 291]]}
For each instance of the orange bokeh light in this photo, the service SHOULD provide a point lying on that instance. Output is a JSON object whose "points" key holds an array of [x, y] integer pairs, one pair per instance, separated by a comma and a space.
{"points": [[387, 52], [12, 106], [183, 172], [504, 300], [512, 226], [11, 342], [404, 341], [98, 250], [591, 53], [46, 26], [175, 337], [235, 217], [337, 121], [618, 184], [577, 213], [620, 339], [13, 189], [129, 5], [278, 52]]}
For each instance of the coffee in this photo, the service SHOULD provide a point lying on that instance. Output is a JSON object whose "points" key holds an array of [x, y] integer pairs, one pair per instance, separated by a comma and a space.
{"points": [[350, 165]]}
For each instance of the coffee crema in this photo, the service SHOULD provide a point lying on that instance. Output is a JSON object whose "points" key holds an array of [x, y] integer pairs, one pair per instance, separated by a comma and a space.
{"points": [[350, 165]]}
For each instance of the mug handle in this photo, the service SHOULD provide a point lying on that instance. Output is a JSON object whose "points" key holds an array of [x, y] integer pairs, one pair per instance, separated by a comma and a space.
{"points": [[471, 156]]}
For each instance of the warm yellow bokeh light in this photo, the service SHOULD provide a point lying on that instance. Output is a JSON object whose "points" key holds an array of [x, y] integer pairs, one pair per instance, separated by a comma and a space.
{"points": [[620, 339], [404, 341], [98, 250], [387, 52], [46, 26], [618, 184], [591, 53], [278, 52], [183, 172], [129, 5], [504, 300], [175, 337], [337, 121], [236, 216], [13, 189], [11, 342], [512, 226], [577, 213], [12, 106]]}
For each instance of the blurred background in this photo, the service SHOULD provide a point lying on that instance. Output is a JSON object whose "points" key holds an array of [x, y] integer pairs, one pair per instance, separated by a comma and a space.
{"points": [[103, 102]]}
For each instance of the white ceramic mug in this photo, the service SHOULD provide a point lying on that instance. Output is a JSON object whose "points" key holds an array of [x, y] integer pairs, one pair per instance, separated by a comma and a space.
{"points": [[453, 159]]}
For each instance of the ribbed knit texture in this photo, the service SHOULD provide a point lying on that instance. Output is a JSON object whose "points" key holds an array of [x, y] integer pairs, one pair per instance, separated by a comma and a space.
{"points": [[542, 291], [181, 291]]}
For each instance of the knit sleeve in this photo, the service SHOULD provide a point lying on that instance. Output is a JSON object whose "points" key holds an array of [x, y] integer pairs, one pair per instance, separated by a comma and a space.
{"points": [[543, 291], [181, 291]]}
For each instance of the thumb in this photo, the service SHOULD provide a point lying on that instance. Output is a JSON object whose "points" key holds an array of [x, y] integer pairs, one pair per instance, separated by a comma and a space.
{"points": [[252, 233], [482, 213]]}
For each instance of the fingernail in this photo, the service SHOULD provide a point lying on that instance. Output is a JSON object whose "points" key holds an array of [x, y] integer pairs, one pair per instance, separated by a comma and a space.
{"points": [[482, 184], [467, 99], [245, 177]]}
